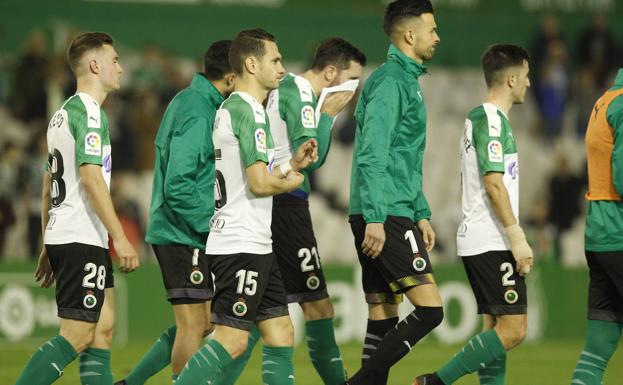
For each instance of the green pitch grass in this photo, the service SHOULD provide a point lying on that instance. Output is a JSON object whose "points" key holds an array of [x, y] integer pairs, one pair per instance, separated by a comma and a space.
{"points": [[549, 363]]}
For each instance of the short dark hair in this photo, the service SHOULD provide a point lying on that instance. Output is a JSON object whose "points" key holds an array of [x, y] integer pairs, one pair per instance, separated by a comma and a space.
{"points": [[338, 52], [398, 10], [216, 60], [247, 43], [84, 43], [499, 57]]}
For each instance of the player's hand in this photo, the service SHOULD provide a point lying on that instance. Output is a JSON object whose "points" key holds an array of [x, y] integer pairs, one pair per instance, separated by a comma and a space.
{"points": [[128, 259], [522, 252], [374, 239], [306, 154], [336, 102], [524, 265], [428, 234], [294, 180], [44, 274]]}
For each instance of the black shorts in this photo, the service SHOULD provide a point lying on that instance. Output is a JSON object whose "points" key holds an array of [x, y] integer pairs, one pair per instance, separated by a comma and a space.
{"points": [[185, 273], [402, 264], [82, 273], [296, 249], [248, 289], [605, 290], [498, 287]]}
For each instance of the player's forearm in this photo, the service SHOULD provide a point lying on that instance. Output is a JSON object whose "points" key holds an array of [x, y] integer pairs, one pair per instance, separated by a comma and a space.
{"points": [[498, 196], [100, 200], [271, 185], [45, 203], [262, 183]]}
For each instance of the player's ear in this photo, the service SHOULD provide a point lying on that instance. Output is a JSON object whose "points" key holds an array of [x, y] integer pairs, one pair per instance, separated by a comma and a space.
{"points": [[330, 73], [93, 66], [229, 80], [250, 63], [511, 79]]}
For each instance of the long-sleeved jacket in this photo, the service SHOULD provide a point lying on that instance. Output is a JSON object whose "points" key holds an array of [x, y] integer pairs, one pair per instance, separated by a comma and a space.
{"points": [[182, 200], [390, 140]]}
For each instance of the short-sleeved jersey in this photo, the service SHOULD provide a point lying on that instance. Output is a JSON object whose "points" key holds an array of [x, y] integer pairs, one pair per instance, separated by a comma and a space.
{"points": [[77, 134], [291, 110], [487, 145], [241, 136]]}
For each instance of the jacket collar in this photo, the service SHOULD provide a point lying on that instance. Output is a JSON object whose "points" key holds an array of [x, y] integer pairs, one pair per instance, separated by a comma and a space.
{"points": [[205, 88], [411, 66]]}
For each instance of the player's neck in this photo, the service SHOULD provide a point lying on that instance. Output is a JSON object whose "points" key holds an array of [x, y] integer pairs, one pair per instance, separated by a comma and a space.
{"points": [[93, 90], [254, 89], [500, 99], [407, 50], [316, 79]]}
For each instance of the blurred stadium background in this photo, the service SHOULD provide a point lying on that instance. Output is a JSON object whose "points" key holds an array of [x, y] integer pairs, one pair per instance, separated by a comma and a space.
{"points": [[576, 47]]}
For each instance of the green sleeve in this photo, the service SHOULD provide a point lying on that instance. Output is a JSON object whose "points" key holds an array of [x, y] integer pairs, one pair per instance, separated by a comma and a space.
{"points": [[89, 141], [489, 149], [422, 209], [378, 126], [182, 189], [323, 136], [254, 137], [614, 115]]}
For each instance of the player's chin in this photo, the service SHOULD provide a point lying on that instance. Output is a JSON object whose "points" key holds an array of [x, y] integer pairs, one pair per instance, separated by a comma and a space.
{"points": [[430, 54]]}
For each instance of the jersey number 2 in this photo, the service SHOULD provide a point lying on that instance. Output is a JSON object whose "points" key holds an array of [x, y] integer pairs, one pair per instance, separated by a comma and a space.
{"points": [[507, 267]]}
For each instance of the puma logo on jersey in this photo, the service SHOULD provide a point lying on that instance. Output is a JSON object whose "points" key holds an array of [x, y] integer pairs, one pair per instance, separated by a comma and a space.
{"points": [[259, 116], [93, 122]]}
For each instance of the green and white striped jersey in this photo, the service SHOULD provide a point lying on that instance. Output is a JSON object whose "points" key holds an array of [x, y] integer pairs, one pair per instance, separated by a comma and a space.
{"points": [[241, 136], [77, 134], [488, 145]]}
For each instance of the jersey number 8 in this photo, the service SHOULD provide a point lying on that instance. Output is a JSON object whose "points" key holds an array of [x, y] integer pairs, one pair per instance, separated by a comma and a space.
{"points": [[58, 189]]}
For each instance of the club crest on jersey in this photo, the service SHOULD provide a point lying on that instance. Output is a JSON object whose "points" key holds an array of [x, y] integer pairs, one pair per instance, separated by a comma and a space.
{"points": [[419, 263], [307, 117], [89, 301], [93, 144], [196, 276], [313, 282], [260, 140], [511, 296], [240, 308], [494, 148]]}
